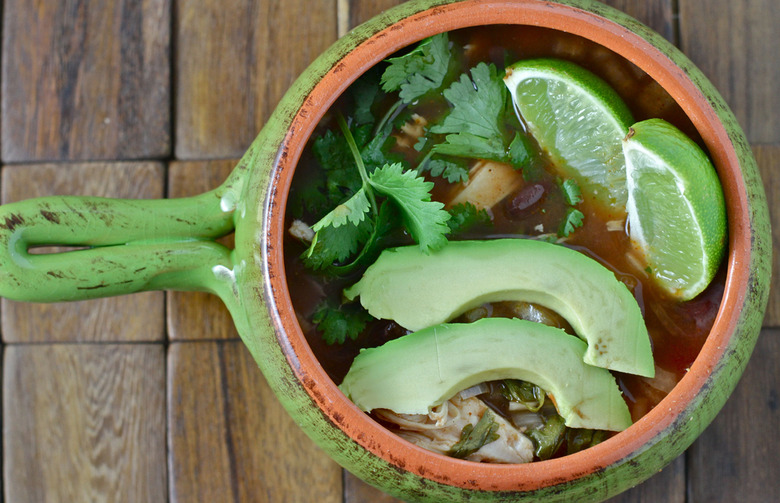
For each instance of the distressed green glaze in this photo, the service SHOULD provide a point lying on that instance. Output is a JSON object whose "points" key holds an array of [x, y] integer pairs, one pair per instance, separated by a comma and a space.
{"points": [[141, 245]]}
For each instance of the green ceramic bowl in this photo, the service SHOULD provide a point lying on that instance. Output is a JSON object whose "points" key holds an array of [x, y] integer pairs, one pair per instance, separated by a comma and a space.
{"points": [[170, 244]]}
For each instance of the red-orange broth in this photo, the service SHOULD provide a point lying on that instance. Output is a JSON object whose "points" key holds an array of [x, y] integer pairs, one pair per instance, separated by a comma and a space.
{"points": [[677, 330]]}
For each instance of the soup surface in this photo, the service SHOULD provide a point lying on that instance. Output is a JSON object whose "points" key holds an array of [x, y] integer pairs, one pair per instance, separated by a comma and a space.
{"points": [[532, 204]]}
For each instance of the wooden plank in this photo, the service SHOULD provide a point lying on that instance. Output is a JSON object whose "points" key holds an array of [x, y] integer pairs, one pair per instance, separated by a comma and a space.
{"points": [[196, 315], [86, 80], [230, 439], [667, 486], [357, 491], [736, 458], [84, 423], [768, 159], [732, 43], [657, 14], [136, 317], [360, 11], [234, 61]]}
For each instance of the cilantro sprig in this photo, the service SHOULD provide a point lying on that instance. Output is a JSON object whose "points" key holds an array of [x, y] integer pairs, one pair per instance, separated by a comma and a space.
{"points": [[478, 103], [574, 217], [466, 216], [337, 322], [475, 127], [355, 224], [420, 71]]}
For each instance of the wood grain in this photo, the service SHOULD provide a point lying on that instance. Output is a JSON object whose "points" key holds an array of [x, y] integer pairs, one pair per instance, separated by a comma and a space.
{"points": [[234, 62], [657, 14], [735, 45], [86, 80], [768, 159], [357, 491], [231, 440], [667, 486], [137, 317], [84, 423], [361, 11], [196, 315], [736, 458]]}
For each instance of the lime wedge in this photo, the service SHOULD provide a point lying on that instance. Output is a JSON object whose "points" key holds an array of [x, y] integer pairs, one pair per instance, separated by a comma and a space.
{"points": [[676, 208], [578, 119]]}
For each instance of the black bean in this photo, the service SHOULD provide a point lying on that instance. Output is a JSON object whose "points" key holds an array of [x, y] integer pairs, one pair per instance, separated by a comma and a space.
{"points": [[525, 200]]}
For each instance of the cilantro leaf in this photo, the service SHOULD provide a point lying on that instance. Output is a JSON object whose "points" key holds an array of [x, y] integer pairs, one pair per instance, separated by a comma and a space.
{"points": [[571, 221], [472, 438], [466, 215], [452, 171], [365, 91], [309, 197], [374, 151], [337, 322], [333, 245], [478, 105], [341, 177], [519, 150], [353, 210], [473, 146], [421, 70], [425, 220], [571, 192]]}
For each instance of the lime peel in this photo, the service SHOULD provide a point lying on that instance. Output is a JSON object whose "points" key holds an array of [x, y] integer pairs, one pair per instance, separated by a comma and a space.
{"points": [[676, 208]]}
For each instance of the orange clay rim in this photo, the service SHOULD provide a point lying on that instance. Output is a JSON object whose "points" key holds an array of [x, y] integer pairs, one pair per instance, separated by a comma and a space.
{"points": [[649, 429]]}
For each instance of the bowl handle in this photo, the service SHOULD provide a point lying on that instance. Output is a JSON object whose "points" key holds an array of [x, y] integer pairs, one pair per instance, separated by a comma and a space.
{"points": [[124, 246]]}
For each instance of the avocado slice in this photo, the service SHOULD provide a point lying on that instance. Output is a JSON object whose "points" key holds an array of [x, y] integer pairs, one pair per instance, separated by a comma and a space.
{"points": [[423, 369], [419, 290]]}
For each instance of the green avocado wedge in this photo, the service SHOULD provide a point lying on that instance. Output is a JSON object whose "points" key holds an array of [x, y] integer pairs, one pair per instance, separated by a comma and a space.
{"points": [[425, 368], [419, 290]]}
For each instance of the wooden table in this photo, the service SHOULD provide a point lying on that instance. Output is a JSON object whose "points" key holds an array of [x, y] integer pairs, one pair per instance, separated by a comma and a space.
{"points": [[152, 397]]}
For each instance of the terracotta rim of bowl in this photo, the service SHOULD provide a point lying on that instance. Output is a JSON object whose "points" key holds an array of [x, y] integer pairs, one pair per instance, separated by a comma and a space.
{"points": [[408, 457]]}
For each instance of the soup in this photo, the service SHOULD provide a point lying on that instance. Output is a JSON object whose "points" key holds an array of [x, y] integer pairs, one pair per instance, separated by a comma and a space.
{"points": [[532, 202]]}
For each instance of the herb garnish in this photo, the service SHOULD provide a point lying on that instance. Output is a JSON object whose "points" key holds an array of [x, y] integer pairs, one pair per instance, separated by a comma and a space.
{"points": [[337, 322], [573, 196], [472, 438], [571, 221], [465, 216], [419, 71], [344, 226], [473, 126]]}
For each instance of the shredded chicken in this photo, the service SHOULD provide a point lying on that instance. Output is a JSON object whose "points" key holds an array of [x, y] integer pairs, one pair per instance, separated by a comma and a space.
{"points": [[440, 429]]}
